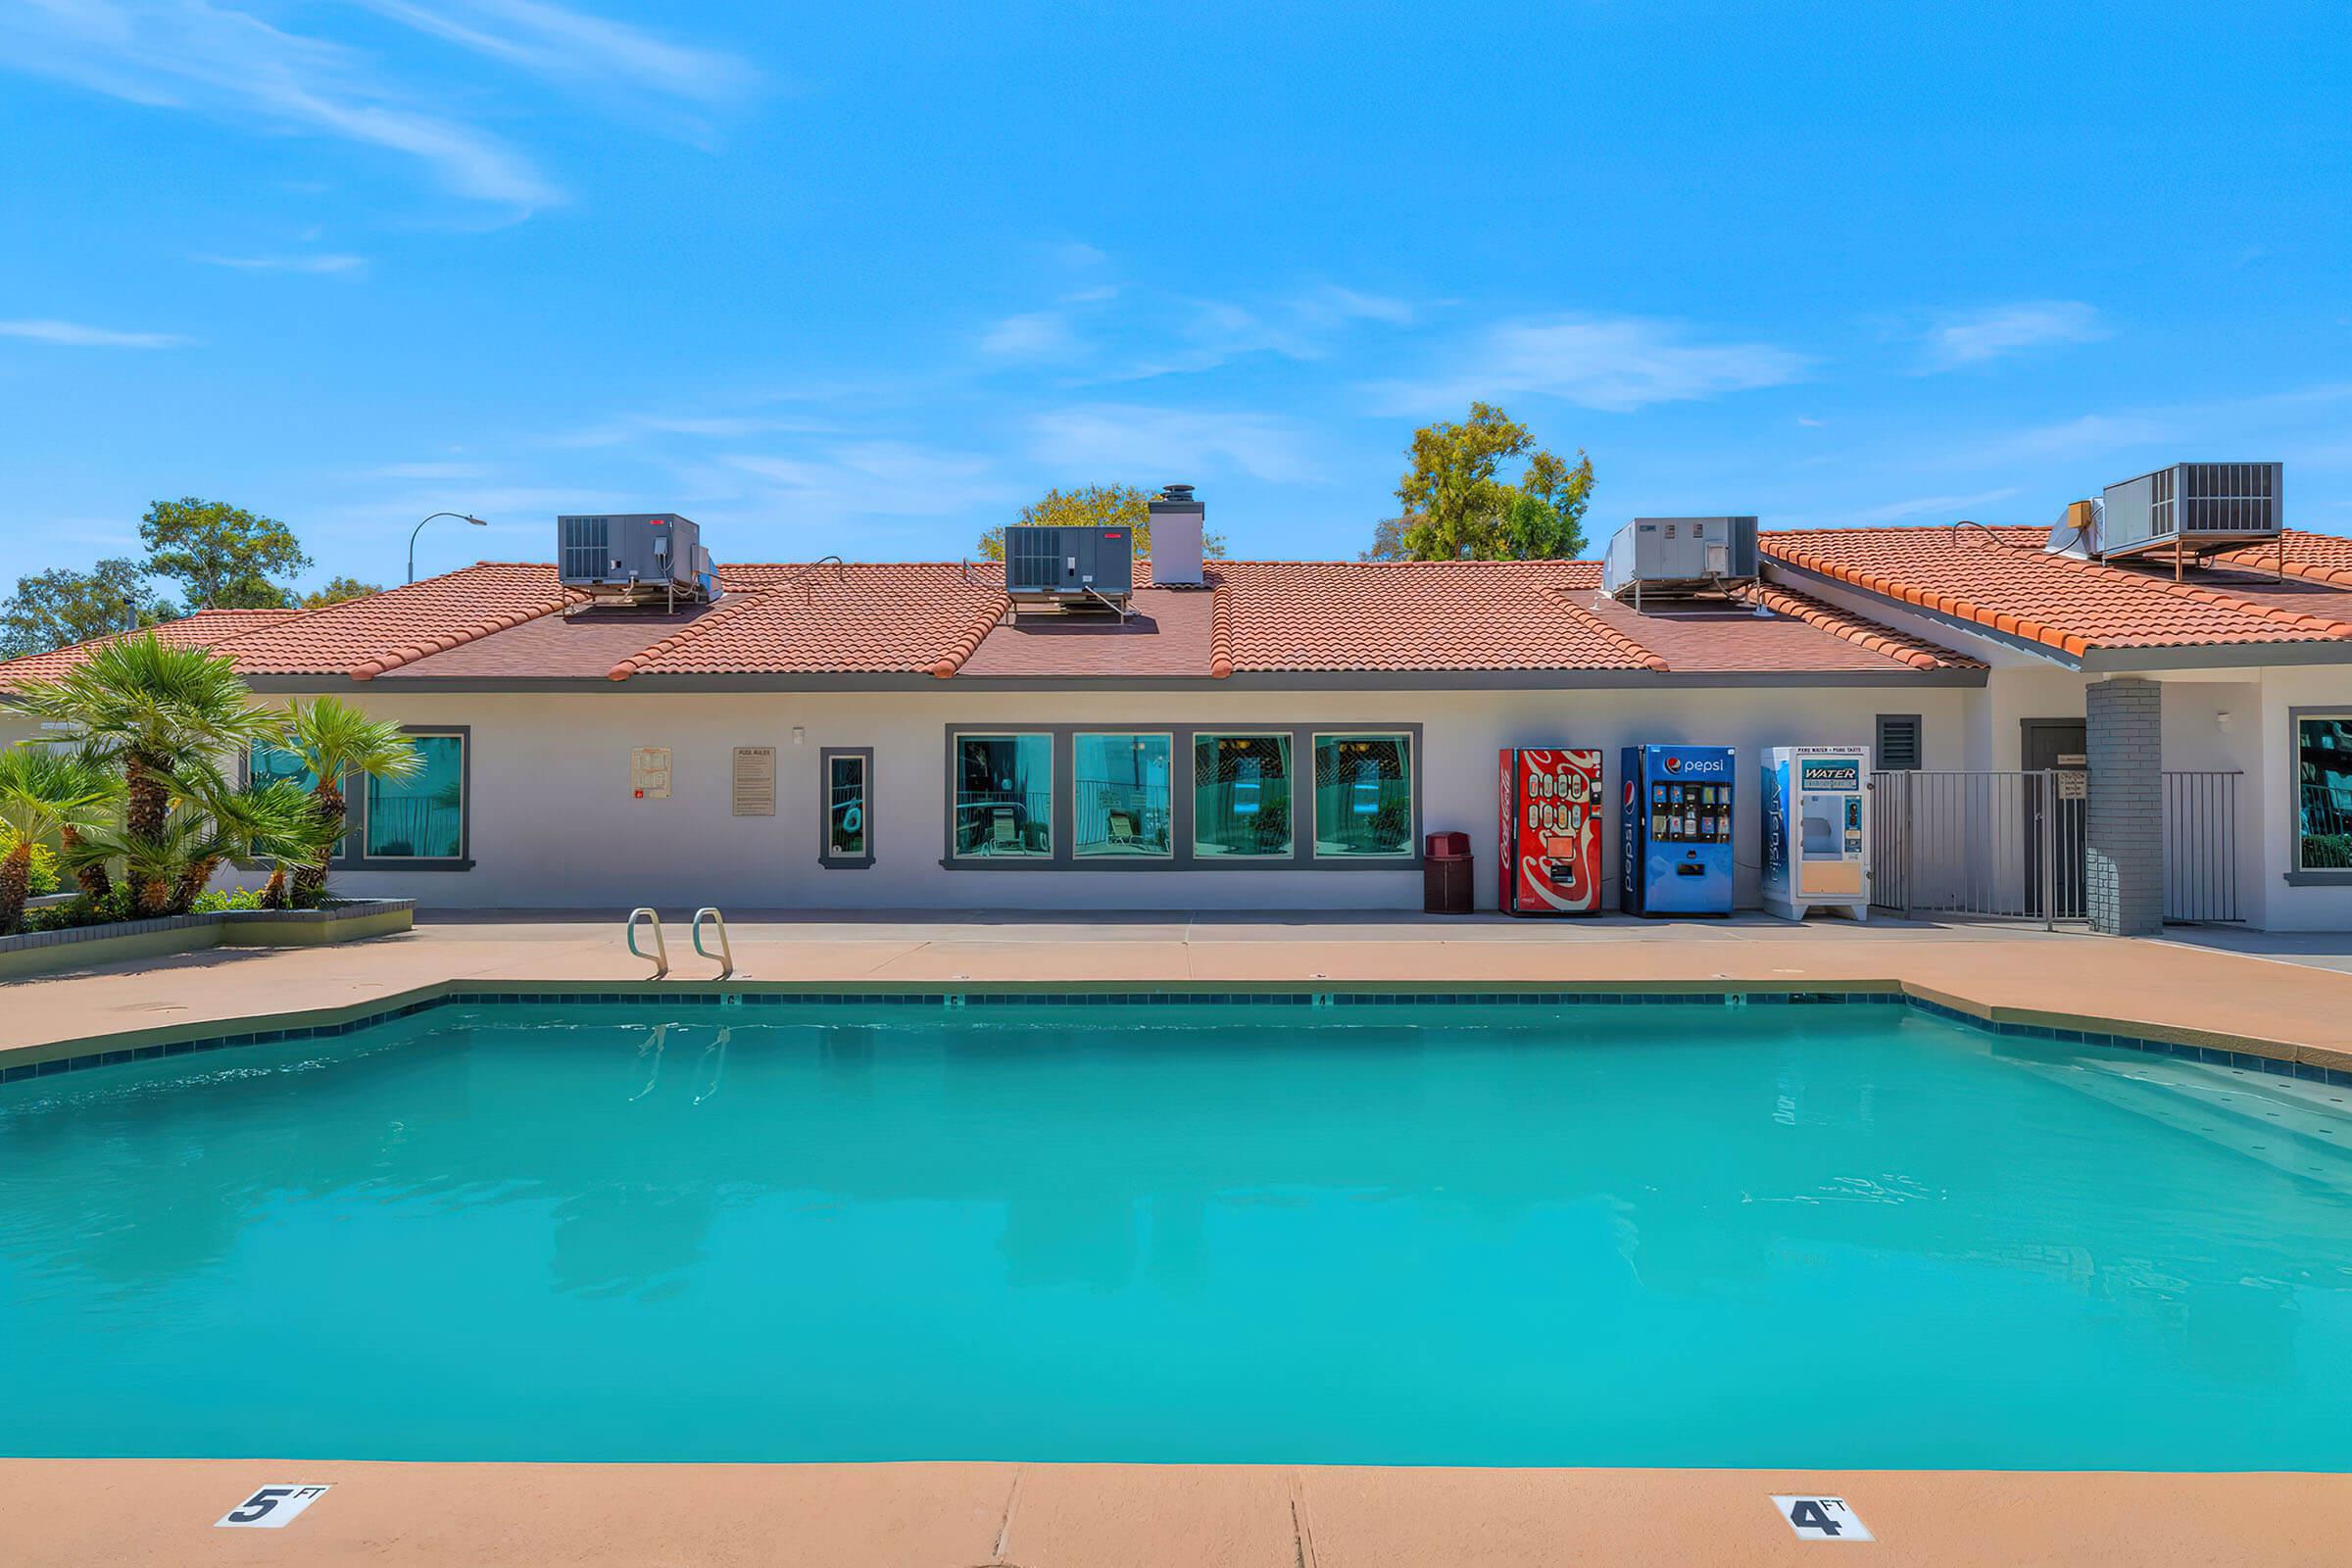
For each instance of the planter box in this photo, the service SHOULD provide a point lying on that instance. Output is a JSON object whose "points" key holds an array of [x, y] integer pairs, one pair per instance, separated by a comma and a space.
{"points": [[46, 951]]}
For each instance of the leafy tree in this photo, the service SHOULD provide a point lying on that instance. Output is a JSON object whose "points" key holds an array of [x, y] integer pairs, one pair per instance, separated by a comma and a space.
{"points": [[1387, 540], [52, 609], [41, 792], [225, 554], [337, 590], [1457, 506], [1094, 506]]}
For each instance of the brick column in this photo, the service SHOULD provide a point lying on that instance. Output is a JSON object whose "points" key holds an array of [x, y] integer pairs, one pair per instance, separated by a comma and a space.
{"points": [[2123, 821]]}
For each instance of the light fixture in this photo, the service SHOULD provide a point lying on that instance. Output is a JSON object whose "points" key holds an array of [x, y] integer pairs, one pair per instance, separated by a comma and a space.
{"points": [[461, 516]]}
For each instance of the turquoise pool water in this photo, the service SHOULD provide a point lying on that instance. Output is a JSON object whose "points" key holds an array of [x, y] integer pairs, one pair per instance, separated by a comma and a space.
{"points": [[1817, 1236]]}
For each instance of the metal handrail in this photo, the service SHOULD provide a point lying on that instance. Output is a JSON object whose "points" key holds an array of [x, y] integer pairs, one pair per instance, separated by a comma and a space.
{"points": [[660, 957], [725, 957]]}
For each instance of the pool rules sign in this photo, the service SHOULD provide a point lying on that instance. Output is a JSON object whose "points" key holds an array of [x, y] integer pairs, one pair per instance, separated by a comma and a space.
{"points": [[1822, 1519]]}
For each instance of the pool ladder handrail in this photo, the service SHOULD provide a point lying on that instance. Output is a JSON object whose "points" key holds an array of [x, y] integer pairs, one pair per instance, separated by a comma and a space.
{"points": [[725, 957], [660, 957]]}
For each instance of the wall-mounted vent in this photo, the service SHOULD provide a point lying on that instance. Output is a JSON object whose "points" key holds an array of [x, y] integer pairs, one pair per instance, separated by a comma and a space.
{"points": [[1899, 746], [2192, 508]]}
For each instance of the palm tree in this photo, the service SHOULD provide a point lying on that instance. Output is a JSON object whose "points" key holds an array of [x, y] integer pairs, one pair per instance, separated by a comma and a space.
{"points": [[43, 792], [335, 742], [155, 711], [275, 823]]}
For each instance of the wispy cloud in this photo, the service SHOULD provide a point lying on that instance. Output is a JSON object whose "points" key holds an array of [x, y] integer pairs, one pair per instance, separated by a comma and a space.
{"points": [[626, 428], [1614, 363], [324, 265], [1139, 444], [1939, 506], [74, 334], [1974, 337], [1031, 335], [235, 66]]}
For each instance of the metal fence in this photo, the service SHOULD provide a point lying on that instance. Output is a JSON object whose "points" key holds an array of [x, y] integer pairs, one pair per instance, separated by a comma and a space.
{"points": [[2200, 848], [2011, 845], [1998, 846]]}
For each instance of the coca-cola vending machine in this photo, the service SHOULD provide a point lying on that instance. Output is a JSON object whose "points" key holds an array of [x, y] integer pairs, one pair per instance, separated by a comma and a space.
{"points": [[1551, 851]]}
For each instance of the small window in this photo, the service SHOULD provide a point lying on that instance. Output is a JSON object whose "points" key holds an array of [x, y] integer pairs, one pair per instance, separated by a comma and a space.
{"points": [[2324, 792], [1121, 806], [421, 818], [1003, 796], [849, 825], [1364, 796], [1242, 796], [1898, 742]]}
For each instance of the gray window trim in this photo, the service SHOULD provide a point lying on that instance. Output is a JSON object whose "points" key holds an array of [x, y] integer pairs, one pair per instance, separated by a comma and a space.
{"points": [[1169, 735], [2297, 875], [1413, 752], [360, 860], [824, 809], [1303, 800]]}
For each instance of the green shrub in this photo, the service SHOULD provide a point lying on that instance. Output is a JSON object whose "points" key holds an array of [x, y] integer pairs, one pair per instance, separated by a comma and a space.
{"points": [[44, 864], [214, 901]]}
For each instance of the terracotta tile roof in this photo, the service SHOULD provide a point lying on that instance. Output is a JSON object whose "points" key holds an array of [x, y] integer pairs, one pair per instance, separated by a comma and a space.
{"points": [[2002, 578], [2311, 557], [362, 638], [202, 629], [1396, 615], [900, 617], [1876, 636], [1170, 634]]}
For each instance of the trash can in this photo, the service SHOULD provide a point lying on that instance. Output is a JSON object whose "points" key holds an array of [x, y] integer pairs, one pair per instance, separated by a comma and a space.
{"points": [[1445, 870]]}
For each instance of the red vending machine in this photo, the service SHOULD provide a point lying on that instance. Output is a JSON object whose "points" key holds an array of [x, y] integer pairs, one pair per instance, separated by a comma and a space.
{"points": [[1551, 851]]}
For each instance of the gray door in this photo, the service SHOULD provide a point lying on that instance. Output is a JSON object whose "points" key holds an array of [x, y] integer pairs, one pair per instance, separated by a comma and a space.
{"points": [[2053, 827]]}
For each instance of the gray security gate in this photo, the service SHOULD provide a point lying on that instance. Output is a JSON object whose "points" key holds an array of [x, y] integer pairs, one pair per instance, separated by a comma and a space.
{"points": [[2010, 845]]}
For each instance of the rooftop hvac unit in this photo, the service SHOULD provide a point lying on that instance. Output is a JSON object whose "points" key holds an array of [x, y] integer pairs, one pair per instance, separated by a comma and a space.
{"points": [[1069, 569], [2192, 508], [634, 557], [1667, 558]]}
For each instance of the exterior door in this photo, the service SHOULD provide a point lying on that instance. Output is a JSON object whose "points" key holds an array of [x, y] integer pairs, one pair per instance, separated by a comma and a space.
{"points": [[2054, 824]]}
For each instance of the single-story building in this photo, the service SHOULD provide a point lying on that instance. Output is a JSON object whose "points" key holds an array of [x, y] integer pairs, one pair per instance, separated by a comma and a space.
{"points": [[1284, 735]]}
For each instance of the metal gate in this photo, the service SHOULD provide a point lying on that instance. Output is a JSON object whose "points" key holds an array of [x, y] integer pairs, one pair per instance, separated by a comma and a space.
{"points": [[1998, 846], [2010, 845]]}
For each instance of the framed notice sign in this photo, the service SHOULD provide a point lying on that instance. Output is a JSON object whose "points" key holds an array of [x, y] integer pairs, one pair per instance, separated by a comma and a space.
{"points": [[649, 772], [755, 781]]}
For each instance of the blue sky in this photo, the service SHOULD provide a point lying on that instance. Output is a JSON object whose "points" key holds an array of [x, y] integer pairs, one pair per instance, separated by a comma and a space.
{"points": [[861, 279]]}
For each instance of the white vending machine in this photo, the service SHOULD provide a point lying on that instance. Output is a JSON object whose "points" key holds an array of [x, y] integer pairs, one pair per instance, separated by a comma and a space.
{"points": [[1817, 830]]}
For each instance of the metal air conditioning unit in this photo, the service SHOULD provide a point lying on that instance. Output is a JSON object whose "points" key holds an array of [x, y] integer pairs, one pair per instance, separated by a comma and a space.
{"points": [[2192, 508], [1069, 569], [1671, 557], [635, 557]]}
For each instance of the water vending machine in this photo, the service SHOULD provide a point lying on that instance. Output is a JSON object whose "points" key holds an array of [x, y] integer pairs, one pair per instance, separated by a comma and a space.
{"points": [[1817, 830], [1677, 839], [1551, 821]]}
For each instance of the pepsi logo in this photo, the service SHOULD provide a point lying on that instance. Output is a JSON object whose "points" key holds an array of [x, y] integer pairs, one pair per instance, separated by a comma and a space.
{"points": [[1674, 764]]}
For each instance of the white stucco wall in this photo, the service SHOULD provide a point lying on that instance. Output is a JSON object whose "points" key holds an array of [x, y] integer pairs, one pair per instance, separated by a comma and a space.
{"points": [[554, 823]]}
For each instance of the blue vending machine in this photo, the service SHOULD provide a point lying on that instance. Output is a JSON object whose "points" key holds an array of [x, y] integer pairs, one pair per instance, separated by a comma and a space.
{"points": [[1675, 847]]}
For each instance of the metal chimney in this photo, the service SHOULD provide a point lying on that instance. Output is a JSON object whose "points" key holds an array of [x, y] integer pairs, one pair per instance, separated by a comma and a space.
{"points": [[1176, 535]]}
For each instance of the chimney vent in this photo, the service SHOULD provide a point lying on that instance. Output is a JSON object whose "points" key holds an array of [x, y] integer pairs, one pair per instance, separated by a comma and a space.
{"points": [[1176, 537]]}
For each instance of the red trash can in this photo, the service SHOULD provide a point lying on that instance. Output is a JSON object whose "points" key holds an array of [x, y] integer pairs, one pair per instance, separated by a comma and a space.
{"points": [[1446, 874]]}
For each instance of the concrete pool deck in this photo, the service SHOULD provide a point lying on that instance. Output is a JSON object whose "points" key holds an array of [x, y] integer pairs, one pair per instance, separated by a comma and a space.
{"points": [[90, 1512]]}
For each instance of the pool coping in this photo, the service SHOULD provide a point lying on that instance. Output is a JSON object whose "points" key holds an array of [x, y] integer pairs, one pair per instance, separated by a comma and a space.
{"points": [[2239, 1052]]}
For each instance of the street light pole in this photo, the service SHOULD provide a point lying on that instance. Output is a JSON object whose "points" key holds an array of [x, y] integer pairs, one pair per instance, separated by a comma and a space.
{"points": [[419, 528]]}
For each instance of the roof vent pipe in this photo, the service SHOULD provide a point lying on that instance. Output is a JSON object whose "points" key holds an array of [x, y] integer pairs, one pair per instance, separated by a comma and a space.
{"points": [[1176, 537]]}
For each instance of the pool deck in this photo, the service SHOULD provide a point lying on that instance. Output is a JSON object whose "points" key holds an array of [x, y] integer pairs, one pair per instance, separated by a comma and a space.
{"points": [[2292, 997]]}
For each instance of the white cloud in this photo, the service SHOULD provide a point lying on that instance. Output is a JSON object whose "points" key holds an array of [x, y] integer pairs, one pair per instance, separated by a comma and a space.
{"points": [[1939, 507], [1332, 304], [1139, 445], [626, 428], [319, 264], [74, 334], [553, 42], [1030, 336], [855, 480], [1613, 364], [1974, 337]]}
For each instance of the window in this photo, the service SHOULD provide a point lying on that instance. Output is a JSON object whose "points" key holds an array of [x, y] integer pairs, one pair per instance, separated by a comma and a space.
{"points": [[1364, 796], [2324, 792], [848, 824], [420, 817], [1121, 806], [1898, 742], [1241, 794], [266, 764], [1003, 796]]}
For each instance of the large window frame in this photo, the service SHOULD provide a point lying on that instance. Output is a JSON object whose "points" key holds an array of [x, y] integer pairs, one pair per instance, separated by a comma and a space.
{"points": [[1300, 855], [1134, 857], [2299, 874], [1057, 792], [1411, 853], [351, 852]]}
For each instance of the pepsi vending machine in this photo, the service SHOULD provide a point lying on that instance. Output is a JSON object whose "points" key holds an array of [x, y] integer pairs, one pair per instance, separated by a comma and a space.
{"points": [[1551, 831], [1676, 847]]}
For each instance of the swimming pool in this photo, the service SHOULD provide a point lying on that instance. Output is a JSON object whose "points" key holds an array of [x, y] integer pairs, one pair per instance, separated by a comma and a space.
{"points": [[1665, 1235]]}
